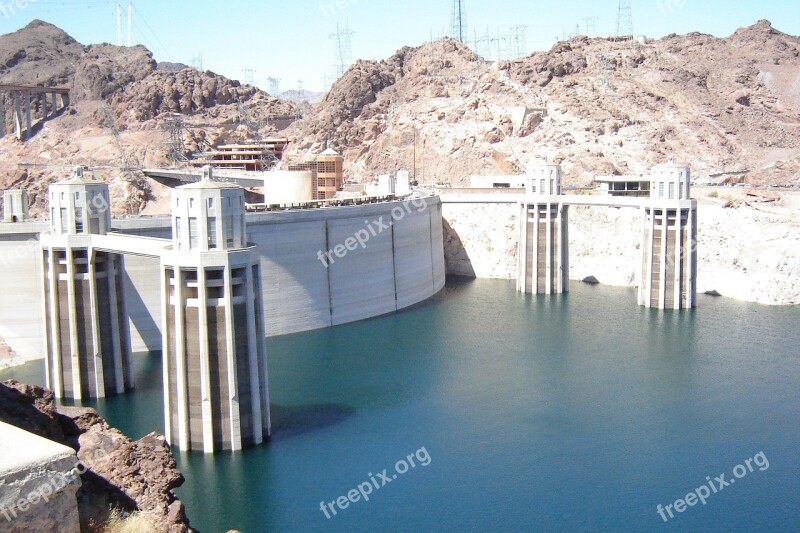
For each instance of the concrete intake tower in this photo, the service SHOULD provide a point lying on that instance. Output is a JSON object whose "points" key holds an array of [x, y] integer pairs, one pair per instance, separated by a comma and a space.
{"points": [[215, 365], [87, 336]]}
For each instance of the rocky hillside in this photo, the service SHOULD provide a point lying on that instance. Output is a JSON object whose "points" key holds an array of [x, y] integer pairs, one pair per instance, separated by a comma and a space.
{"points": [[121, 473], [730, 107], [118, 88]]}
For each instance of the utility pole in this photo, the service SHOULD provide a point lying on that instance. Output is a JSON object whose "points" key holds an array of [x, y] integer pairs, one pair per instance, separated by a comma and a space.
{"points": [[119, 22], [624, 19]]}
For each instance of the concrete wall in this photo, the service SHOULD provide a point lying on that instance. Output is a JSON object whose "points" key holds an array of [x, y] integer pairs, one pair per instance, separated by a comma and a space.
{"points": [[398, 266], [38, 483], [21, 290]]}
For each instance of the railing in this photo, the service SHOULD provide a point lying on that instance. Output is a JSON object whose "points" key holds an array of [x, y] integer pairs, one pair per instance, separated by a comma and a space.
{"points": [[316, 204]]}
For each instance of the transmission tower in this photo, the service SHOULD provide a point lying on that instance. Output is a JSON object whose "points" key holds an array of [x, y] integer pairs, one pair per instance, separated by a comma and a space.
{"points": [[130, 23], [624, 19], [326, 82], [590, 23], [459, 24], [343, 49], [176, 151], [518, 41], [197, 63], [274, 86], [249, 76], [128, 163], [119, 22]]}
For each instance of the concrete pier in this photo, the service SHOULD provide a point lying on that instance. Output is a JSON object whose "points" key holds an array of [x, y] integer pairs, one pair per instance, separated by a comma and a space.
{"points": [[216, 395], [87, 338], [543, 257], [669, 241], [23, 98]]}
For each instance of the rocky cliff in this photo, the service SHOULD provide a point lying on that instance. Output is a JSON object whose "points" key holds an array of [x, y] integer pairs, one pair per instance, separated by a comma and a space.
{"points": [[121, 101], [122, 474], [729, 106]]}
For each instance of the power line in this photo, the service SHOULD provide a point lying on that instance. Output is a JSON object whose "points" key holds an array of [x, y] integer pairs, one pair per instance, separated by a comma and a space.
{"points": [[158, 40], [119, 23]]}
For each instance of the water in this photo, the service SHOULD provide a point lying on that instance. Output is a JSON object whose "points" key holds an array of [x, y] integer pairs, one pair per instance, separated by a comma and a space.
{"points": [[580, 412]]}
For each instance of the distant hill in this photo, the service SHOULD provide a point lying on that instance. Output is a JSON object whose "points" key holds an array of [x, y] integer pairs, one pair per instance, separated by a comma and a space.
{"points": [[725, 106], [120, 88]]}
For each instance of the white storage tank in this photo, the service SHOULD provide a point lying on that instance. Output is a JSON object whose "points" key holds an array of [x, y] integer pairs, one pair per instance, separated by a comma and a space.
{"points": [[288, 187]]}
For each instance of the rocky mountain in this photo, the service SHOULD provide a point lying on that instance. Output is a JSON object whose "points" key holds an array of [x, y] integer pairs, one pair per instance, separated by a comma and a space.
{"points": [[730, 107], [120, 102]]}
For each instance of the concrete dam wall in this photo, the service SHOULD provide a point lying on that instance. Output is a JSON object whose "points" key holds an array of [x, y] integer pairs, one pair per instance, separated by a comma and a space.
{"points": [[744, 254], [320, 268]]}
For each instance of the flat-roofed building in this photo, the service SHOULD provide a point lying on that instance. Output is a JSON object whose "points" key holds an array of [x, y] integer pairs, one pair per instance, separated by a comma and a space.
{"points": [[632, 185], [256, 156]]}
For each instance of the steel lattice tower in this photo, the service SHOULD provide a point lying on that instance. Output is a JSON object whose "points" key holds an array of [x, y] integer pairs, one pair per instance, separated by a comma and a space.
{"points": [[459, 24], [624, 19], [343, 50]]}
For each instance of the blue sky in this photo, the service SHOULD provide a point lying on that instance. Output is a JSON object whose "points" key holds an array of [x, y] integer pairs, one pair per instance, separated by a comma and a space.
{"points": [[291, 39]]}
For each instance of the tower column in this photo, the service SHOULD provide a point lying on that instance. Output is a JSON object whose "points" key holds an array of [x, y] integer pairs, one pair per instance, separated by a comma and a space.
{"points": [[17, 115], [75, 361], [215, 348], [28, 121], [669, 238], [86, 325], [97, 350], [230, 348], [205, 372]]}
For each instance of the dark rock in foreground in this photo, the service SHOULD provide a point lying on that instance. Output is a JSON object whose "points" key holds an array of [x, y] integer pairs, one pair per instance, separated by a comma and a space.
{"points": [[121, 473]]}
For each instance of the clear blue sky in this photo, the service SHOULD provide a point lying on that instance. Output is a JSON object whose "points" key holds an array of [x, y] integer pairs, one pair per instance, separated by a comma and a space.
{"points": [[290, 39]]}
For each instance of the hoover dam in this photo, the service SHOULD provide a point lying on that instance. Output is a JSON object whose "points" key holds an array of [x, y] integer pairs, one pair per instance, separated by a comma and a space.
{"points": [[402, 264]]}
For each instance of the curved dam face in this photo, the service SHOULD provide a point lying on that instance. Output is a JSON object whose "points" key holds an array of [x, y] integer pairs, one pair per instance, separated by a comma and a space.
{"points": [[320, 268]]}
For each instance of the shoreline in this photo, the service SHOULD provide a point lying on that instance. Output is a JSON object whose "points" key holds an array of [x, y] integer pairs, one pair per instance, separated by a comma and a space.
{"points": [[17, 361]]}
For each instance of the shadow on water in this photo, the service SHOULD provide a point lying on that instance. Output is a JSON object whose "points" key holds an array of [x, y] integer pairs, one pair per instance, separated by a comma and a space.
{"points": [[293, 420]]}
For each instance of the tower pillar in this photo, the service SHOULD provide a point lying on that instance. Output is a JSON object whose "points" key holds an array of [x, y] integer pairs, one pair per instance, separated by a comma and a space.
{"points": [[87, 339], [543, 250], [215, 372], [669, 241]]}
